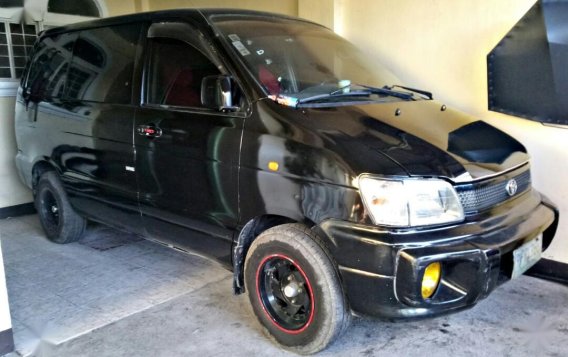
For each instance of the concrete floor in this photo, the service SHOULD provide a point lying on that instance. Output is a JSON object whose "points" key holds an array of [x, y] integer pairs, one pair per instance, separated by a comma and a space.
{"points": [[113, 294]]}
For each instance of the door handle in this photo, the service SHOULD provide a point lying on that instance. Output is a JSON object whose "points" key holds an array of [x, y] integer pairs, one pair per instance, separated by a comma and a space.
{"points": [[149, 130]]}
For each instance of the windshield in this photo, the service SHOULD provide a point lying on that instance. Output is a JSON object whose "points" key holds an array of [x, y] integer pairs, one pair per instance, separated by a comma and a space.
{"points": [[298, 60]]}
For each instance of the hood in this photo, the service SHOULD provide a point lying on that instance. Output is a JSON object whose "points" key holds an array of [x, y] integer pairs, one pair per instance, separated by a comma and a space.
{"points": [[420, 137]]}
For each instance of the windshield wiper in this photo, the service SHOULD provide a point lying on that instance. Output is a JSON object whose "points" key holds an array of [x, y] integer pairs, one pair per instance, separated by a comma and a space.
{"points": [[427, 94], [334, 94], [388, 91], [364, 91]]}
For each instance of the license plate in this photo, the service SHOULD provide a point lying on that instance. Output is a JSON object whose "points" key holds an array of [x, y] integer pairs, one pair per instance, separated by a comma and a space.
{"points": [[526, 256]]}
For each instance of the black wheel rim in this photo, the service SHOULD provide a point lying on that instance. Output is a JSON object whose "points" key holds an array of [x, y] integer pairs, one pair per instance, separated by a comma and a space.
{"points": [[49, 209], [285, 293]]}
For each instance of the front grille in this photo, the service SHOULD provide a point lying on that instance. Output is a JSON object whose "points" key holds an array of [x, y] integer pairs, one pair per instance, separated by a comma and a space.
{"points": [[480, 196]]}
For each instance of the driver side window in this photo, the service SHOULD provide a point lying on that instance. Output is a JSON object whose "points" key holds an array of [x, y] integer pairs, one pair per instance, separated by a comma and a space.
{"points": [[176, 70]]}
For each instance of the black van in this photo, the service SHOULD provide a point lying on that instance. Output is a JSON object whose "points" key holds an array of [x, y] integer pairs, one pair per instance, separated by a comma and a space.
{"points": [[277, 148]]}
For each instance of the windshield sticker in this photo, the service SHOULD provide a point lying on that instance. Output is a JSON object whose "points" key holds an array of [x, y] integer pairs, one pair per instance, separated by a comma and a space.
{"points": [[241, 48], [233, 37], [284, 100], [344, 85]]}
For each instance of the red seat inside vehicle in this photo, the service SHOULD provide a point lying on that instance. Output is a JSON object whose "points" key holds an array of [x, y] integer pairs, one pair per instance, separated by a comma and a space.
{"points": [[183, 91], [268, 80]]}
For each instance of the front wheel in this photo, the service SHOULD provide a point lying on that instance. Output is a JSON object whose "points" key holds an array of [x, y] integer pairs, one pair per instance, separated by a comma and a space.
{"points": [[294, 289]]}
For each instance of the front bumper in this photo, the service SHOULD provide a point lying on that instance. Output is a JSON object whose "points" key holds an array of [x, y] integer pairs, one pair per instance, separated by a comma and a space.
{"points": [[381, 269]]}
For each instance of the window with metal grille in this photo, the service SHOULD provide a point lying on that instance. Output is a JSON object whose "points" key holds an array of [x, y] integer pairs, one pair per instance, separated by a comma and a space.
{"points": [[16, 43], [76, 80]]}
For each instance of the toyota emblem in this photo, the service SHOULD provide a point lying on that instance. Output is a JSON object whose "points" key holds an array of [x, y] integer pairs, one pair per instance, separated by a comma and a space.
{"points": [[511, 187]]}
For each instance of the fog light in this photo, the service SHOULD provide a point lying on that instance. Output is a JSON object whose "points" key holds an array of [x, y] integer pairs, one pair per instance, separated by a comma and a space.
{"points": [[431, 279]]}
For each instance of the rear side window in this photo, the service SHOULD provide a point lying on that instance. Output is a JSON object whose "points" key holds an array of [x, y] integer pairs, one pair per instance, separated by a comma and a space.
{"points": [[176, 70], [103, 64], [48, 71]]}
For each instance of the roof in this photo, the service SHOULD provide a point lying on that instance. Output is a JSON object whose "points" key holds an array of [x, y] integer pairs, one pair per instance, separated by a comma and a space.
{"points": [[195, 14]]}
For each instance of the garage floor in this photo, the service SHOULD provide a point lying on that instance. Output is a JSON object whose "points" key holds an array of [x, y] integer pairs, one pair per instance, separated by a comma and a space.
{"points": [[115, 294]]}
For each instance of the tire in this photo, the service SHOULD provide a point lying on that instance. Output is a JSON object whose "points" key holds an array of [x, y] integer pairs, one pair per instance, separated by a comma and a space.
{"points": [[294, 289], [59, 220]]}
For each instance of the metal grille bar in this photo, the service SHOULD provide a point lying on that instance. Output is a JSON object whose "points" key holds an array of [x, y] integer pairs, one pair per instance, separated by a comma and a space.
{"points": [[477, 197]]}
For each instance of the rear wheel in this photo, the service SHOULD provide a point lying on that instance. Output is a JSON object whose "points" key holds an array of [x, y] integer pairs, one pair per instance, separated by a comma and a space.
{"points": [[59, 220], [294, 289]]}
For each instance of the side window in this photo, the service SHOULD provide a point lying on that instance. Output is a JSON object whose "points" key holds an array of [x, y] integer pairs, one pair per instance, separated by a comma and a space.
{"points": [[103, 64], [48, 71], [176, 70]]}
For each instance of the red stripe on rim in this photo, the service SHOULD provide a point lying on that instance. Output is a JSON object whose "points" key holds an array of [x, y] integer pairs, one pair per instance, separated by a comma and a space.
{"points": [[312, 307]]}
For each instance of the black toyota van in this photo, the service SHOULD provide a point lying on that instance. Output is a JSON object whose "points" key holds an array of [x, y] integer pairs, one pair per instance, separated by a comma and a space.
{"points": [[277, 148]]}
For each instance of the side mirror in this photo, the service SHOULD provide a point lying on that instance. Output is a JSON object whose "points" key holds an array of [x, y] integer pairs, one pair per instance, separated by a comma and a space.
{"points": [[217, 93]]}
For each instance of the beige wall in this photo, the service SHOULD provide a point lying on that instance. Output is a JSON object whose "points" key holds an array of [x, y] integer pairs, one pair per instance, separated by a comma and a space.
{"points": [[5, 320], [122, 7], [441, 45], [13, 192], [287, 7], [320, 11]]}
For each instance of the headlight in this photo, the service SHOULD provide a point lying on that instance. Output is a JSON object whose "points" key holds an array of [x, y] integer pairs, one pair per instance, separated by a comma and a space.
{"points": [[410, 202]]}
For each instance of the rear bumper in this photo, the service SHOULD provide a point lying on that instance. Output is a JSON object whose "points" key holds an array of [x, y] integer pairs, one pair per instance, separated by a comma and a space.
{"points": [[382, 269]]}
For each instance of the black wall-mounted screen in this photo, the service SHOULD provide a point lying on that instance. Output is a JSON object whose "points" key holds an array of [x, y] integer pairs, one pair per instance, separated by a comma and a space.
{"points": [[528, 69]]}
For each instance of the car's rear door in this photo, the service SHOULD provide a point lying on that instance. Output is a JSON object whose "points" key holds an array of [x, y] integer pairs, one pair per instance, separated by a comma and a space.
{"points": [[84, 109]]}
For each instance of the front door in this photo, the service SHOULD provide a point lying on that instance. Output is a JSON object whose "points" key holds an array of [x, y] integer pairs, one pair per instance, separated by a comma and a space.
{"points": [[186, 155]]}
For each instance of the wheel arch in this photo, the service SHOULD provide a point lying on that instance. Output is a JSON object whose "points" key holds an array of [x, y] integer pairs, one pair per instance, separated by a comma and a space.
{"points": [[250, 231], [39, 168]]}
